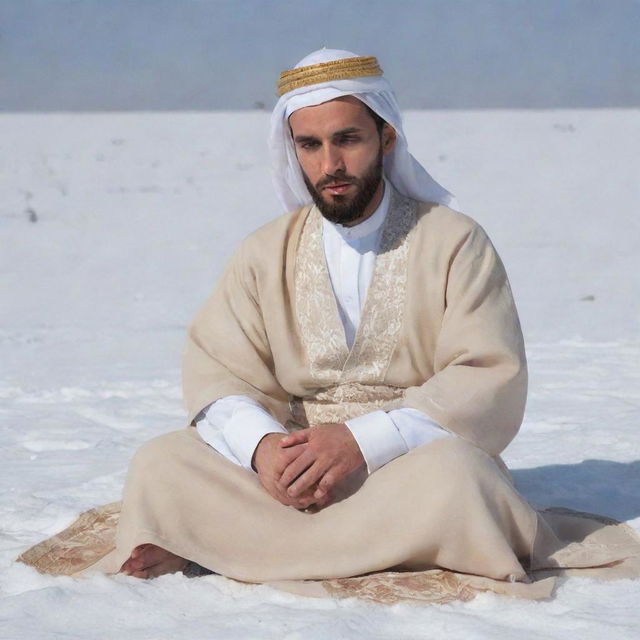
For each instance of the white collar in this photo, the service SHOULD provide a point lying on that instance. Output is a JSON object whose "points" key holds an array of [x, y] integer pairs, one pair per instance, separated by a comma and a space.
{"points": [[369, 226]]}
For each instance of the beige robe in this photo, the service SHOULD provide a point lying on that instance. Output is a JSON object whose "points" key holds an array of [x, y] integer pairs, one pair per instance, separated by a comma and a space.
{"points": [[439, 332]]}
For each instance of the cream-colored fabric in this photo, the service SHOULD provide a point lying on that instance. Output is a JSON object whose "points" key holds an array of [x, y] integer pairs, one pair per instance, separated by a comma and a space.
{"points": [[444, 505], [439, 331], [185, 497]]}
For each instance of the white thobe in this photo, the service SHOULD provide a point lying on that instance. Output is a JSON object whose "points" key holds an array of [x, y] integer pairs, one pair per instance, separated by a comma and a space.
{"points": [[234, 425]]}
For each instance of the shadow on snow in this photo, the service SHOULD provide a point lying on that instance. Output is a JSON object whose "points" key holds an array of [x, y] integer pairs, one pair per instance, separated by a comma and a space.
{"points": [[595, 486]]}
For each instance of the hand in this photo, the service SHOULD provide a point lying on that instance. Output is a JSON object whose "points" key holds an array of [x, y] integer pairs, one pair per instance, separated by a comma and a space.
{"points": [[330, 454], [270, 460]]}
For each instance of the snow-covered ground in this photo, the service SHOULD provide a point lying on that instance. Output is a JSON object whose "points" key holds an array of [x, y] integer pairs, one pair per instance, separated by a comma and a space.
{"points": [[113, 228]]}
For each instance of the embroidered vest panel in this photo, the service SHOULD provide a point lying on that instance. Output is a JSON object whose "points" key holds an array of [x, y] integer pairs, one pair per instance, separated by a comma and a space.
{"points": [[351, 382]]}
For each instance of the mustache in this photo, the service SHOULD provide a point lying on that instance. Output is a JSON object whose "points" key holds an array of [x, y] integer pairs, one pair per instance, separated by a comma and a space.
{"points": [[335, 178]]}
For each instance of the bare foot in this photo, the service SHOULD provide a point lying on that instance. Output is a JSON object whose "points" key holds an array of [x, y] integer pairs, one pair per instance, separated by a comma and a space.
{"points": [[150, 561]]}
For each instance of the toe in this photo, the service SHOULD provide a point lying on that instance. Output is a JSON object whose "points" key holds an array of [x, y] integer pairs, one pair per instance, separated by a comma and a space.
{"points": [[140, 549], [143, 573]]}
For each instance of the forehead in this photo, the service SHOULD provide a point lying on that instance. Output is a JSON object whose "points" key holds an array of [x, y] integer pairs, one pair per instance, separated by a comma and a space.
{"points": [[330, 116]]}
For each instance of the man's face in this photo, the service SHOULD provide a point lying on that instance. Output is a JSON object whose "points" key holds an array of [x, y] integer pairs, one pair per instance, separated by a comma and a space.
{"points": [[340, 153]]}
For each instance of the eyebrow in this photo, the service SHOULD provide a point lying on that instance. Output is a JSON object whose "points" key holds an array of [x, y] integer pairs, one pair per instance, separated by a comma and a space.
{"points": [[347, 131], [301, 139]]}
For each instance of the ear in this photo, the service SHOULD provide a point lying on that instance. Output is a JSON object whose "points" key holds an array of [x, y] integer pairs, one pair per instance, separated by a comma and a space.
{"points": [[388, 138]]}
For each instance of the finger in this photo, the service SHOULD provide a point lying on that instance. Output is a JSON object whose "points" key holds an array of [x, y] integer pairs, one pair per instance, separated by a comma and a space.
{"points": [[313, 506], [297, 437], [281, 496], [295, 468], [320, 492], [301, 502], [304, 503], [325, 501], [305, 498], [328, 481], [286, 457], [307, 479]]}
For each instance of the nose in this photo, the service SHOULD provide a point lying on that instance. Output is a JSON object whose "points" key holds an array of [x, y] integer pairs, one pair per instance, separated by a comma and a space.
{"points": [[332, 160]]}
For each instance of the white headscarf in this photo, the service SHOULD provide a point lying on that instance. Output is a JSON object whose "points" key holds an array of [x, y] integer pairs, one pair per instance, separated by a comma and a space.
{"points": [[405, 173]]}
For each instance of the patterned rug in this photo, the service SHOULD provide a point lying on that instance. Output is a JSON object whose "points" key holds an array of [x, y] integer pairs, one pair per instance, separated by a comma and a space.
{"points": [[92, 536]]}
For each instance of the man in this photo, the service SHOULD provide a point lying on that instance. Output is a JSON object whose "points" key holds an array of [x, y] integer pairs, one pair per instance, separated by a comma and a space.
{"points": [[265, 356], [352, 379]]}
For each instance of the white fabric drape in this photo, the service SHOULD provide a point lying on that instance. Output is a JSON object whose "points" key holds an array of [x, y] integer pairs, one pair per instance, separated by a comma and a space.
{"points": [[406, 174]]}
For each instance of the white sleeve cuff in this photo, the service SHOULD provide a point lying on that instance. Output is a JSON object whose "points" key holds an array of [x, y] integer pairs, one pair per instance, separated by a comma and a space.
{"points": [[235, 425], [378, 438], [384, 436], [416, 427]]}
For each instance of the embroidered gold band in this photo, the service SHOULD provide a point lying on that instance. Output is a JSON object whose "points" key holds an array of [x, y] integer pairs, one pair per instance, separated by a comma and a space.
{"points": [[326, 71]]}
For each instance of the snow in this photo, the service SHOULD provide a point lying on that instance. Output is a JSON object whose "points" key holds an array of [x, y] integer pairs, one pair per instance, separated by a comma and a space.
{"points": [[114, 227]]}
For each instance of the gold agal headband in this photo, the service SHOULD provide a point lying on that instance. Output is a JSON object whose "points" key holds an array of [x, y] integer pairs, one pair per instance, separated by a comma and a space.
{"points": [[327, 71]]}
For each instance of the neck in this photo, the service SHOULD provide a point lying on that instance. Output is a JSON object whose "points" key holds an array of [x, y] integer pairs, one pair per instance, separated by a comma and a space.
{"points": [[374, 203]]}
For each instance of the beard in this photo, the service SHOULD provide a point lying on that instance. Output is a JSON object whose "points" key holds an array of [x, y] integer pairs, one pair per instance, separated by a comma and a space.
{"points": [[343, 209]]}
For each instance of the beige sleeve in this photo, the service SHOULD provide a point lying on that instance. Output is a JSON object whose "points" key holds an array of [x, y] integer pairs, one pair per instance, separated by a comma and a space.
{"points": [[227, 351], [479, 387]]}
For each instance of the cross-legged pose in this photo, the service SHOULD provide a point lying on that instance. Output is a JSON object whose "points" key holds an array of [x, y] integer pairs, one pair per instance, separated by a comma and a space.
{"points": [[352, 379]]}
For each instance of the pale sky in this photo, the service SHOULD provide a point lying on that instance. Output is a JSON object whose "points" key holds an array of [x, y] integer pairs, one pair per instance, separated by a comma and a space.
{"points": [[226, 54]]}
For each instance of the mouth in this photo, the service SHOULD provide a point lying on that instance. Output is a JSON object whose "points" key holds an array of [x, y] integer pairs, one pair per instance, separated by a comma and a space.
{"points": [[337, 188]]}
